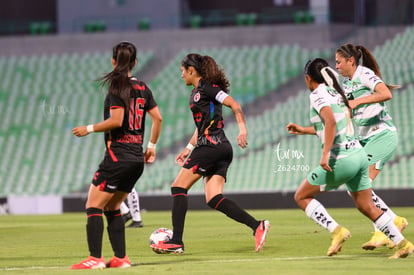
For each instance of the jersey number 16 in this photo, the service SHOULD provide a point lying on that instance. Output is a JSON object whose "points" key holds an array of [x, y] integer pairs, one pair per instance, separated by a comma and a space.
{"points": [[136, 112]]}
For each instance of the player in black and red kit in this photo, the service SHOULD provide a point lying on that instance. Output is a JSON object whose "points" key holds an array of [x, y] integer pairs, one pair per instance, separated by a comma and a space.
{"points": [[126, 103], [212, 152]]}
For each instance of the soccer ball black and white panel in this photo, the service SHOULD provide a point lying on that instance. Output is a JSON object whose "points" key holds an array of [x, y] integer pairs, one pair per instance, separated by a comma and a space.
{"points": [[161, 234]]}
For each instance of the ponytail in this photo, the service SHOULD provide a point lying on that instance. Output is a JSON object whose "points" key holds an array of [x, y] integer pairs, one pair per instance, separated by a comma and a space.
{"points": [[208, 69], [331, 79], [124, 55], [364, 57], [368, 60], [318, 69], [361, 56]]}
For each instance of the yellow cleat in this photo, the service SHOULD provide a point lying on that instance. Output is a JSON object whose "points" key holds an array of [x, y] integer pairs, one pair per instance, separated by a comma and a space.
{"points": [[404, 248], [401, 223], [339, 236], [377, 240]]}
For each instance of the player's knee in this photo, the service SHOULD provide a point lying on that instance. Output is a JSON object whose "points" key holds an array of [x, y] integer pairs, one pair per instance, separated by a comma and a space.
{"points": [[215, 201], [298, 197], [178, 191]]}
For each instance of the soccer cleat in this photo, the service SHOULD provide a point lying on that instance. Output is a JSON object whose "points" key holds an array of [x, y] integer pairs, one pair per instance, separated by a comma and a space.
{"points": [[126, 217], [168, 247], [404, 248], [90, 263], [400, 222], [136, 224], [118, 262], [339, 236], [260, 234], [377, 240]]}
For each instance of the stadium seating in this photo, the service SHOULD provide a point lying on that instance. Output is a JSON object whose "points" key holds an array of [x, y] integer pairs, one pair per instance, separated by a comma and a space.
{"points": [[252, 71], [43, 97]]}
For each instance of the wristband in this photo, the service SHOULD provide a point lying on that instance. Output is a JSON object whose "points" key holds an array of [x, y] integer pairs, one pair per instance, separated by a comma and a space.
{"points": [[89, 128], [190, 146], [151, 145]]}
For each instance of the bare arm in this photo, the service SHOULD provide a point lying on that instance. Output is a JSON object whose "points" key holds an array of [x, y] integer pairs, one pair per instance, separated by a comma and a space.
{"points": [[382, 93], [113, 122], [296, 129], [238, 114], [330, 130], [156, 118], [186, 152]]}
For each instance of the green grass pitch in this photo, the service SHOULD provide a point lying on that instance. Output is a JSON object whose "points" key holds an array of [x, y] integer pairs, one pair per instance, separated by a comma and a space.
{"points": [[214, 244]]}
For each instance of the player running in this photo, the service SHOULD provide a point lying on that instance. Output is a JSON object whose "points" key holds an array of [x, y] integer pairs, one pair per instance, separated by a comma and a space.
{"points": [[376, 131], [343, 161], [212, 152]]}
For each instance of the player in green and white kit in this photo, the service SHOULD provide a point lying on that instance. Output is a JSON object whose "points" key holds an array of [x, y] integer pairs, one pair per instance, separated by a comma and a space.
{"points": [[376, 131], [343, 161]]}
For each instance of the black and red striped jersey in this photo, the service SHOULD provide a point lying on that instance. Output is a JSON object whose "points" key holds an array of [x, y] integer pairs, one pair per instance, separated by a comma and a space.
{"points": [[125, 143], [206, 104]]}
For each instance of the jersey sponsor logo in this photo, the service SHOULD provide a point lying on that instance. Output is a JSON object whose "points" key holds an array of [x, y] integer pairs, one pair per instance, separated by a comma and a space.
{"points": [[137, 139], [197, 116], [351, 144], [197, 97]]}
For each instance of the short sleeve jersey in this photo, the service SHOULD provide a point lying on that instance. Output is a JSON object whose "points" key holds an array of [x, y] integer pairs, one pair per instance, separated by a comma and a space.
{"points": [[373, 118], [125, 143], [345, 140], [206, 104]]}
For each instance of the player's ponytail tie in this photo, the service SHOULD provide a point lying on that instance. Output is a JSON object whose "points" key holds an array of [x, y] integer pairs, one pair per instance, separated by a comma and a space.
{"points": [[328, 74]]}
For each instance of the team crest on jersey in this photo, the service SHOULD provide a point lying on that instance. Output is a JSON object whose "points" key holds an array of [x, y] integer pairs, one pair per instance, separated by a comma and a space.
{"points": [[197, 97]]}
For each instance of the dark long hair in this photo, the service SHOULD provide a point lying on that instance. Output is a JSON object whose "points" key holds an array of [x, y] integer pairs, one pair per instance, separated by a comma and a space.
{"points": [[208, 69], [314, 68], [124, 54], [360, 52]]}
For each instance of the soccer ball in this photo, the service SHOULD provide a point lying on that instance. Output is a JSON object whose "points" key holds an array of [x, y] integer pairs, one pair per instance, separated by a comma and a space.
{"points": [[160, 234]]}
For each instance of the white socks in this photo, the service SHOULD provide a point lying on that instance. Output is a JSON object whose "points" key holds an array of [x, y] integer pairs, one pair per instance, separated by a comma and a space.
{"points": [[386, 225], [379, 203], [133, 202], [124, 208], [317, 212]]}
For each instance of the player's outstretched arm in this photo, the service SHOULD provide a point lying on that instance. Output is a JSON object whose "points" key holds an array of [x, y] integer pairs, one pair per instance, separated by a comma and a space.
{"points": [[113, 122], [296, 129]]}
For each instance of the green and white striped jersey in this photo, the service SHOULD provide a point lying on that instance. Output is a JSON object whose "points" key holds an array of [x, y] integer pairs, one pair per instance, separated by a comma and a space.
{"points": [[370, 119], [345, 141]]}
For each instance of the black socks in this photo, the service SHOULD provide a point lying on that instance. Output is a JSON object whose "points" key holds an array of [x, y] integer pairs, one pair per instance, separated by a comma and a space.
{"points": [[94, 231], [232, 210], [179, 210]]}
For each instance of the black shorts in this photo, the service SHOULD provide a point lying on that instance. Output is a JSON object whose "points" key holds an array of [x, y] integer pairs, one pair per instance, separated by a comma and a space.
{"points": [[122, 176], [208, 160]]}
